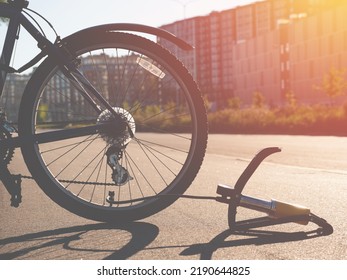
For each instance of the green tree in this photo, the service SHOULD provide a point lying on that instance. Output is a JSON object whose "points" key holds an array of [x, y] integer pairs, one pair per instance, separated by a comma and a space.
{"points": [[234, 103], [333, 83], [258, 100], [291, 100]]}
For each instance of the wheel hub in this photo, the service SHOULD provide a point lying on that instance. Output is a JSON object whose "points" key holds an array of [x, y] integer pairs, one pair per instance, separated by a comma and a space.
{"points": [[117, 130]]}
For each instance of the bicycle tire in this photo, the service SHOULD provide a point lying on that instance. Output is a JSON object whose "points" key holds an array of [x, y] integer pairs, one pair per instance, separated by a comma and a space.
{"points": [[185, 123]]}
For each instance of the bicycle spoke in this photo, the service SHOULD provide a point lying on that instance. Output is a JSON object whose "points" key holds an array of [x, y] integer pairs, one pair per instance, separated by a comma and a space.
{"points": [[98, 174], [121, 77], [92, 172], [78, 82], [164, 146], [150, 151], [68, 151], [151, 162], [158, 152], [78, 174], [84, 149], [164, 131], [68, 145], [134, 174], [119, 128], [146, 99], [142, 174]]}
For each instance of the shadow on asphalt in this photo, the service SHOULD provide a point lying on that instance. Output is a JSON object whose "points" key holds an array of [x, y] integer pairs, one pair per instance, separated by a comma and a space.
{"points": [[252, 237], [137, 236], [91, 240]]}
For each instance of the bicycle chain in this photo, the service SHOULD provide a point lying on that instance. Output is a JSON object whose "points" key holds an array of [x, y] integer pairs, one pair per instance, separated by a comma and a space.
{"points": [[6, 154], [74, 182]]}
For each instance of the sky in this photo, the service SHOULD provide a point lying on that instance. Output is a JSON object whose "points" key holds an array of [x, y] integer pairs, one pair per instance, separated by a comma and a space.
{"points": [[69, 16]]}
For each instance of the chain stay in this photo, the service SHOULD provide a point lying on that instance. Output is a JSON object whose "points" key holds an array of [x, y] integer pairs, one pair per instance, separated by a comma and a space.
{"points": [[75, 182]]}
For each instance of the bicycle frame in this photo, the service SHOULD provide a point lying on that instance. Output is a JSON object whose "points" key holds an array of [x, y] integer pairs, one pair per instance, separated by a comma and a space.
{"points": [[14, 13], [67, 64]]}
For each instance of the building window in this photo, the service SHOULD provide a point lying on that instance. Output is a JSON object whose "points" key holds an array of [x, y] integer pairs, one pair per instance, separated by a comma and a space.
{"points": [[311, 69]]}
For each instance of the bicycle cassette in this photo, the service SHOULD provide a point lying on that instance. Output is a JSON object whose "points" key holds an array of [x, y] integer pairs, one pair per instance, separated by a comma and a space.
{"points": [[119, 131]]}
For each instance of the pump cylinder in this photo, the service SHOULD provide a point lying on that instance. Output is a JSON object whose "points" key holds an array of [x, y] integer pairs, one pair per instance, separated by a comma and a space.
{"points": [[274, 208]]}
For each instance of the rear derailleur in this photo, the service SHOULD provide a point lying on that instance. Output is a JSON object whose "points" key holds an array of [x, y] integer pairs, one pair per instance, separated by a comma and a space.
{"points": [[120, 175]]}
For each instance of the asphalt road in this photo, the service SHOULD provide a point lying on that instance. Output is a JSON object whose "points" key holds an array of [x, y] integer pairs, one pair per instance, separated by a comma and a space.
{"points": [[311, 171]]}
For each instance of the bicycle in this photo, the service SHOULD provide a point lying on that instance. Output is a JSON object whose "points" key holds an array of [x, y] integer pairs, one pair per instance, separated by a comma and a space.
{"points": [[109, 121]]}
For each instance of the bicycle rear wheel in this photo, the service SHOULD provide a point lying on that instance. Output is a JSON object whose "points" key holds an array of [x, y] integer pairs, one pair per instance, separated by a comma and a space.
{"points": [[154, 145]]}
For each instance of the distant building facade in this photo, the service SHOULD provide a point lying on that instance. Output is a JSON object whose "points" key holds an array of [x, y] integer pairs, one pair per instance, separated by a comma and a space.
{"points": [[14, 88], [62, 102], [273, 47]]}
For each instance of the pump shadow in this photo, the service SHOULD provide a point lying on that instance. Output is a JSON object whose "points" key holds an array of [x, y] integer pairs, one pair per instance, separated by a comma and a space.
{"points": [[255, 237]]}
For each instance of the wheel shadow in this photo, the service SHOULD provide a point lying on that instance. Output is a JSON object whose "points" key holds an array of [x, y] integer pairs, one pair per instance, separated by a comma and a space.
{"points": [[252, 237], [72, 242]]}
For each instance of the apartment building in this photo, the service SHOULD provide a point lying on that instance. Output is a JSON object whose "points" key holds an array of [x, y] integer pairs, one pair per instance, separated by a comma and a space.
{"points": [[273, 47], [265, 47], [14, 88], [317, 44]]}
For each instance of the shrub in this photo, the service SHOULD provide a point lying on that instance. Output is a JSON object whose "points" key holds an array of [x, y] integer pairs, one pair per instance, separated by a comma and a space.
{"points": [[318, 119]]}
